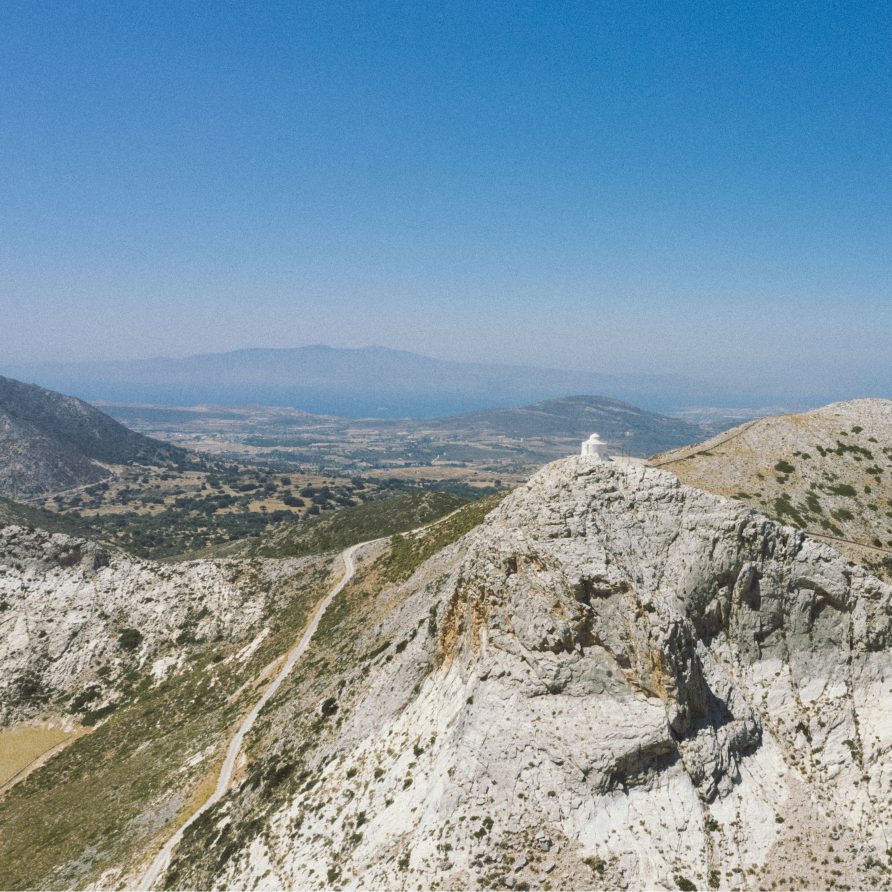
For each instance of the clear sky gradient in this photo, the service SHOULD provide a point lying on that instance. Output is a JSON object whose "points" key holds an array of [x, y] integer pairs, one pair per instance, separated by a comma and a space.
{"points": [[702, 188]]}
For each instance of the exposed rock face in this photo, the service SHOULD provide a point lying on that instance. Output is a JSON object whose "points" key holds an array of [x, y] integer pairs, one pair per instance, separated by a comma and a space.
{"points": [[75, 617], [617, 680]]}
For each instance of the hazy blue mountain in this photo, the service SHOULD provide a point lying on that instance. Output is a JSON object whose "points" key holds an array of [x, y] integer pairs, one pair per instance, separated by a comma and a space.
{"points": [[370, 381]]}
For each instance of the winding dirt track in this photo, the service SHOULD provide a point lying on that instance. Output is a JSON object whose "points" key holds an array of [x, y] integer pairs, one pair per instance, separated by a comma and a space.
{"points": [[162, 859], [224, 781]]}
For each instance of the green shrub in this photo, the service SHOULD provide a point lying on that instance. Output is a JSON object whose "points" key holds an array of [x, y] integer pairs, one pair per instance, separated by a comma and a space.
{"points": [[811, 501], [784, 509], [130, 639], [595, 863], [840, 489]]}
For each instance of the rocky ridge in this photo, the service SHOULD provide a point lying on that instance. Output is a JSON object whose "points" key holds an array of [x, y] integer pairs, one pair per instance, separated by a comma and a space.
{"points": [[827, 471], [78, 620], [616, 681]]}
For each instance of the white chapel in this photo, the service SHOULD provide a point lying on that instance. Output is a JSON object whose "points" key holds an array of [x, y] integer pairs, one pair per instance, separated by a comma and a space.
{"points": [[596, 448]]}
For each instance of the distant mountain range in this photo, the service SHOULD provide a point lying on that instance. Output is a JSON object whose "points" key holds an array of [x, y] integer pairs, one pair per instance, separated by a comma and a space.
{"points": [[50, 442], [371, 381]]}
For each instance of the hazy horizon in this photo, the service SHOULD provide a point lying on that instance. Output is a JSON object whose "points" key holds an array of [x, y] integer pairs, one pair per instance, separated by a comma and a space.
{"points": [[376, 381]]}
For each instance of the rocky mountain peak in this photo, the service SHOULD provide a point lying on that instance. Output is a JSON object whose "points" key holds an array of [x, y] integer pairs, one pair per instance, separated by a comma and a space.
{"points": [[615, 680]]}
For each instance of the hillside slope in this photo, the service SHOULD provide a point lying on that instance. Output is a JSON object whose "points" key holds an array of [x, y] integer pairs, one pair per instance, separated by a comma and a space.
{"points": [[571, 419], [157, 661], [51, 442], [370, 520], [65, 602], [19, 514], [615, 681], [828, 471]]}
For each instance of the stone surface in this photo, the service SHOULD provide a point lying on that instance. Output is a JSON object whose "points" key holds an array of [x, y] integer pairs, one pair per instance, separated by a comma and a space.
{"points": [[66, 603], [616, 681]]}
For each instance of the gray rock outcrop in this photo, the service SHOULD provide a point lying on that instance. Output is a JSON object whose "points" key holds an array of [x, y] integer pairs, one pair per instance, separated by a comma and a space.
{"points": [[77, 618], [616, 681]]}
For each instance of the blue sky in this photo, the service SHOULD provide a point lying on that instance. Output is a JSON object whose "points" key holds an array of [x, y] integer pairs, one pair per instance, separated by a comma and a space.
{"points": [[700, 188]]}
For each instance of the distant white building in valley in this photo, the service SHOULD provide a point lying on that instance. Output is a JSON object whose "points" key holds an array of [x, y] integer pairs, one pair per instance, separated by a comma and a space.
{"points": [[595, 447]]}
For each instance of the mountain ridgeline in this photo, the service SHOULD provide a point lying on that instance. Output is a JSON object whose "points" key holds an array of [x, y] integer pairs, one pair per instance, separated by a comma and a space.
{"points": [[51, 442], [828, 471]]}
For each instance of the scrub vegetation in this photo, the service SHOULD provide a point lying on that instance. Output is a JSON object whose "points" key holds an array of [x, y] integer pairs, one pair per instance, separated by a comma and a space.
{"points": [[372, 520], [144, 768]]}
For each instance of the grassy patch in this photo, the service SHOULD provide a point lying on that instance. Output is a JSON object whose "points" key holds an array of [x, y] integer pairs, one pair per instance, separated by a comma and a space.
{"points": [[19, 747], [371, 520], [407, 553]]}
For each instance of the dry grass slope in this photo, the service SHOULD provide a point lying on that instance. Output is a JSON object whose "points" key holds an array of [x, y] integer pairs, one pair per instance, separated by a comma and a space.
{"points": [[828, 472]]}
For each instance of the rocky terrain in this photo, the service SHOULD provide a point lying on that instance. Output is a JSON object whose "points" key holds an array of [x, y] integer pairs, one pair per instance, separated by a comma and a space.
{"points": [[145, 666], [51, 442], [78, 621], [615, 681], [828, 471]]}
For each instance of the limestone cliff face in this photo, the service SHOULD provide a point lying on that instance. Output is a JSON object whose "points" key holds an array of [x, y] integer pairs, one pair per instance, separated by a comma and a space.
{"points": [[616, 680], [76, 619]]}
